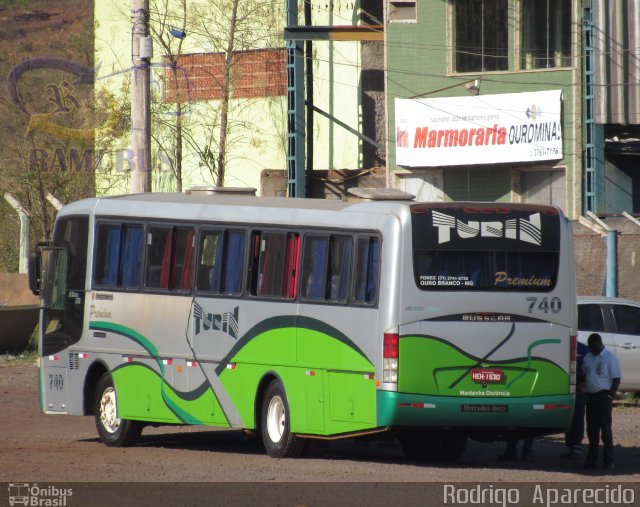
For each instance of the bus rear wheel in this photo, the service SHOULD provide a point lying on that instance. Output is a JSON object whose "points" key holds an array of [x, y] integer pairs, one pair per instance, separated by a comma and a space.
{"points": [[277, 438], [113, 431]]}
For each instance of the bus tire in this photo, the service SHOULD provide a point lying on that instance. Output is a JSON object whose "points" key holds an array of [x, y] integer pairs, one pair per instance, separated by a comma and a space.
{"points": [[112, 431], [423, 444], [277, 438]]}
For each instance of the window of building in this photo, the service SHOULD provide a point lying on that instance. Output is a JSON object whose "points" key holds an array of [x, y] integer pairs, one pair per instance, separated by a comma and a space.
{"points": [[477, 183], [481, 40], [402, 11], [546, 34], [274, 264], [117, 255], [544, 187], [367, 270], [221, 261], [325, 267], [169, 257]]}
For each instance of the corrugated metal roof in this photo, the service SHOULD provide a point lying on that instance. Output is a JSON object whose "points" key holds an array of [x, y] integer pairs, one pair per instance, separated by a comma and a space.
{"points": [[617, 43]]}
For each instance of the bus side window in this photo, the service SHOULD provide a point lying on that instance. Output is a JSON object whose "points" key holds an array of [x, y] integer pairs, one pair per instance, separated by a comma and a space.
{"points": [[367, 270], [314, 265], [339, 264], [233, 266], [169, 257], [129, 269], [107, 257], [274, 263], [325, 268], [181, 258], [209, 261], [221, 261], [158, 257], [118, 253]]}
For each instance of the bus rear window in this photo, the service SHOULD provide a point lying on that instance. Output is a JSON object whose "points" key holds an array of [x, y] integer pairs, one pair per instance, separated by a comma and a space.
{"points": [[485, 270]]}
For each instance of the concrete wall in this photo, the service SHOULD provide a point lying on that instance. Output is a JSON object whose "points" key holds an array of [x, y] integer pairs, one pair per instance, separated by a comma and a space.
{"points": [[591, 256], [326, 184]]}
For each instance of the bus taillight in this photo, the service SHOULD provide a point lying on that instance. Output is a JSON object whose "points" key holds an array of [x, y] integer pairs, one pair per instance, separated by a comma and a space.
{"points": [[390, 354]]}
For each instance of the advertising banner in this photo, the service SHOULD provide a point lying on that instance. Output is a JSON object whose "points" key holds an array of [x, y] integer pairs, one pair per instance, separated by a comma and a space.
{"points": [[488, 129]]}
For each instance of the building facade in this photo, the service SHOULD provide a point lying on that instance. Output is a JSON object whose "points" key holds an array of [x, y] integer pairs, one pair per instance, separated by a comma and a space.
{"points": [[486, 101], [190, 50]]}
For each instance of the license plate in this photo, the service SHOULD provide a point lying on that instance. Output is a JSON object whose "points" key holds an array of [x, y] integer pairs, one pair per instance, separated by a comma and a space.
{"points": [[487, 376]]}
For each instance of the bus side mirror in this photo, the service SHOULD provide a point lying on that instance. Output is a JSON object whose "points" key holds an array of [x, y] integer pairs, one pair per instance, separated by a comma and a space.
{"points": [[35, 270]]}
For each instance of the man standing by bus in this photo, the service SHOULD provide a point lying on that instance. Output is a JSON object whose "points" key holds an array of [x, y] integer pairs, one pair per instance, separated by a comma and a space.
{"points": [[602, 377]]}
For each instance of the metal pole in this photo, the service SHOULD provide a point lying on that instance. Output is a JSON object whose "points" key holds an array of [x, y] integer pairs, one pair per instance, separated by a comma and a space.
{"points": [[24, 232], [295, 109], [308, 66], [140, 98], [612, 264]]}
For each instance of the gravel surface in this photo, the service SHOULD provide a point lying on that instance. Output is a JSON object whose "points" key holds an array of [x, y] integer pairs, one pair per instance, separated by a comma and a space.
{"points": [[65, 448]]}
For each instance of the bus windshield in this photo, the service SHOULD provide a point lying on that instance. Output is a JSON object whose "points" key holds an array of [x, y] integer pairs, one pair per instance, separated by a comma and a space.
{"points": [[486, 271]]}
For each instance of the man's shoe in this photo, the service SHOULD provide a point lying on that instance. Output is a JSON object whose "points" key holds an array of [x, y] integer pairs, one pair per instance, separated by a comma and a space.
{"points": [[527, 456], [588, 465], [508, 457], [570, 455], [608, 466]]}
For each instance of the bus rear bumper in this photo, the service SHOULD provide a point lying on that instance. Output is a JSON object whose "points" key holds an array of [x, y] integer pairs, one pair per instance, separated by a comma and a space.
{"points": [[402, 409]]}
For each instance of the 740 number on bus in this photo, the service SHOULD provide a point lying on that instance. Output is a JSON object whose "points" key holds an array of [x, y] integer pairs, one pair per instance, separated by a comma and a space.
{"points": [[545, 304]]}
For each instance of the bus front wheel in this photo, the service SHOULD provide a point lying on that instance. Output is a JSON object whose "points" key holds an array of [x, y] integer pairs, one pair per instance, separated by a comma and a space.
{"points": [[113, 431], [277, 438]]}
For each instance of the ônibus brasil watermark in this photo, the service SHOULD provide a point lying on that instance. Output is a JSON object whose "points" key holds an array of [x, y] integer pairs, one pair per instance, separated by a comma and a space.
{"points": [[22, 493], [63, 98]]}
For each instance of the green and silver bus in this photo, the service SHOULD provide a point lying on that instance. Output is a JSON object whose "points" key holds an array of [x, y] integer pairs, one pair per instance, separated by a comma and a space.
{"points": [[301, 318]]}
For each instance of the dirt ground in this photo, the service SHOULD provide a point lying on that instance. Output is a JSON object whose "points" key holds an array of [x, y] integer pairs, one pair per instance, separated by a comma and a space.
{"points": [[37, 447]]}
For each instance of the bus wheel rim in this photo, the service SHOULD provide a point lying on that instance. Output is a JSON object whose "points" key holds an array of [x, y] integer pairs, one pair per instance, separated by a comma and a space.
{"points": [[108, 413], [275, 419]]}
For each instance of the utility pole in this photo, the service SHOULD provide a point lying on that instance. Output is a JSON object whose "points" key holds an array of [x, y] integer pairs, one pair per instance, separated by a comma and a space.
{"points": [[141, 53]]}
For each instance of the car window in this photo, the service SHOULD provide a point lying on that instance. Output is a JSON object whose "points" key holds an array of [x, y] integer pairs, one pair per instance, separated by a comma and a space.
{"points": [[627, 319], [590, 318]]}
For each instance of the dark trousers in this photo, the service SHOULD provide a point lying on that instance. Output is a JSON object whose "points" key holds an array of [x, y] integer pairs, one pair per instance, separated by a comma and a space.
{"points": [[599, 408], [574, 436]]}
